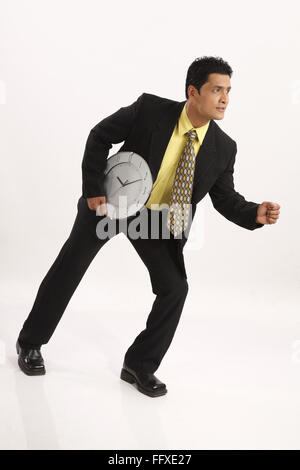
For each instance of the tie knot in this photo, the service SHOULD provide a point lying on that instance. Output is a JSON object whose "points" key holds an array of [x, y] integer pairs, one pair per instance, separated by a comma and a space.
{"points": [[191, 134]]}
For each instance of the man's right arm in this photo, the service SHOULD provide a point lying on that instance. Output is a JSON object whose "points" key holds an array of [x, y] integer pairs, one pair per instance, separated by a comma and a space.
{"points": [[111, 130]]}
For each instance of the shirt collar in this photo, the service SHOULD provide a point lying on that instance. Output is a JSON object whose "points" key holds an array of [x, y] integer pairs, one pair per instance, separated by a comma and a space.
{"points": [[184, 125]]}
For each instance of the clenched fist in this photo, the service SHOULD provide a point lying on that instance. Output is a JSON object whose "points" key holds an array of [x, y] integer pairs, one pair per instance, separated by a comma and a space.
{"points": [[268, 212], [95, 202]]}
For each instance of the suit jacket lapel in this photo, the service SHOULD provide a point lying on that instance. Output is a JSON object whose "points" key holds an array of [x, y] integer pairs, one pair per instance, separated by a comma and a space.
{"points": [[162, 133]]}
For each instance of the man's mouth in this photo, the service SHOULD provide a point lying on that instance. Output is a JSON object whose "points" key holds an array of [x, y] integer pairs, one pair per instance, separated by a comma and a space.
{"points": [[221, 109]]}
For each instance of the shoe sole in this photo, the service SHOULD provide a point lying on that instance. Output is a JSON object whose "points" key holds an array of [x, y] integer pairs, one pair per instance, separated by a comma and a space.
{"points": [[27, 370], [127, 377]]}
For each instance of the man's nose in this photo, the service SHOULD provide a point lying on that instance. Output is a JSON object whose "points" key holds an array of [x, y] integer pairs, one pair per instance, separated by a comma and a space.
{"points": [[225, 99]]}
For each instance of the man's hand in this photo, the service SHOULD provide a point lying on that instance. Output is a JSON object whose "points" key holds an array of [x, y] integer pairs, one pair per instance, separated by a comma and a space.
{"points": [[268, 213], [95, 202]]}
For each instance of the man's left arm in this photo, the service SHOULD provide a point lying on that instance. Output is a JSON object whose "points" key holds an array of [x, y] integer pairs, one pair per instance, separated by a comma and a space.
{"points": [[232, 205]]}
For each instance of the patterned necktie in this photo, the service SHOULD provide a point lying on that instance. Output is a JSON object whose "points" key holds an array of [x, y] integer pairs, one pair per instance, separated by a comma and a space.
{"points": [[178, 214]]}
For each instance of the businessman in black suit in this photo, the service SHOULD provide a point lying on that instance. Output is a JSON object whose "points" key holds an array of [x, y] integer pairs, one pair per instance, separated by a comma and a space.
{"points": [[146, 127]]}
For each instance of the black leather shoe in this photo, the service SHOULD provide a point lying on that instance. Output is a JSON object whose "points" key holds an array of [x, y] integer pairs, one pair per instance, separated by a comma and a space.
{"points": [[146, 382], [30, 361]]}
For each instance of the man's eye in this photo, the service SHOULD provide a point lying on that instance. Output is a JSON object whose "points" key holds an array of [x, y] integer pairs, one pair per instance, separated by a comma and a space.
{"points": [[218, 89]]}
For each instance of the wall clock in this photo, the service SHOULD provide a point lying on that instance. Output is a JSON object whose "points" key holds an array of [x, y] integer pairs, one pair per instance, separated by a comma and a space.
{"points": [[127, 183]]}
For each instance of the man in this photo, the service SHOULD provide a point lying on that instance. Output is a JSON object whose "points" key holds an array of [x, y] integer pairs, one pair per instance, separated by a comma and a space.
{"points": [[188, 155]]}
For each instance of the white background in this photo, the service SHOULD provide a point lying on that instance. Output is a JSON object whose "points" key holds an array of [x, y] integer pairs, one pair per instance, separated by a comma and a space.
{"points": [[233, 367]]}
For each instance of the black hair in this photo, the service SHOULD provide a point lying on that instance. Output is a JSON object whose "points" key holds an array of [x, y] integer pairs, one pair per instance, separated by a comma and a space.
{"points": [[200, 69]]}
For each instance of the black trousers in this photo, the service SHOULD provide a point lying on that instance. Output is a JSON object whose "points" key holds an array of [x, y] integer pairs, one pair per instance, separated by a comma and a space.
{"points": [[168, 281]]}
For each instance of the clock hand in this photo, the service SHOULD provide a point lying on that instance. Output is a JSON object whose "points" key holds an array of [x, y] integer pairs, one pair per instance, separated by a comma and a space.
{"points": [[121, 181], [130, 182], [123, 184]]}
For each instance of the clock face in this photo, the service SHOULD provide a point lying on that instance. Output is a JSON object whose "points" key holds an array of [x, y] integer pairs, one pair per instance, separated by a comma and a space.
{"points": [[128, 184]]}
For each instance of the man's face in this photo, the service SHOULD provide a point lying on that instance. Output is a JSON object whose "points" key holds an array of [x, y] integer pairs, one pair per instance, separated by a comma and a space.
{"points": [[213, 95]]}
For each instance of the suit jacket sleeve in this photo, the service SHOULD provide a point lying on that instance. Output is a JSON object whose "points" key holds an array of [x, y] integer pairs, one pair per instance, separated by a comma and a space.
{"points": [[111, 130], [230, 203]]}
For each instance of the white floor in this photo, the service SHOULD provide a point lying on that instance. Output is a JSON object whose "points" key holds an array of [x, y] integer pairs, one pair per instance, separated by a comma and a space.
{"points": [[232, 373]]}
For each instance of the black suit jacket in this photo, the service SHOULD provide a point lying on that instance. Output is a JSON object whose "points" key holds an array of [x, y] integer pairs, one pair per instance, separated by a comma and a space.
{"points": [[146, 127]]}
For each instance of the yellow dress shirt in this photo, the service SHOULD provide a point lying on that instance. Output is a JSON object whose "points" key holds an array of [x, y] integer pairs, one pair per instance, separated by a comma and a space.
{"points": [[162, 187]]}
